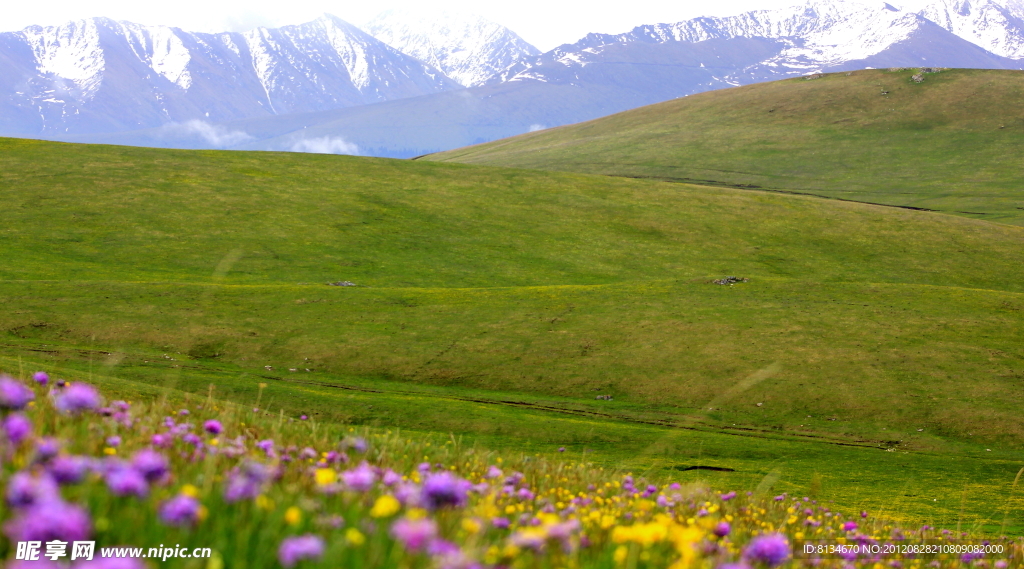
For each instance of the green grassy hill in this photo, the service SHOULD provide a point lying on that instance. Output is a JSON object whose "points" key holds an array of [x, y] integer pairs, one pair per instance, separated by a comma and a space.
{"points": [[499, 303], [953, 142]]}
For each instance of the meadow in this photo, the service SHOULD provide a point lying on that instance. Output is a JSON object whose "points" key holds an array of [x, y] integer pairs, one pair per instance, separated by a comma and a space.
{"points": [[950, 143], [869, 347], [192, 482]]}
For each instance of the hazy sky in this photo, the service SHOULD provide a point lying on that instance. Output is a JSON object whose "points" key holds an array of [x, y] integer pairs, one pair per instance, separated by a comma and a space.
{"points": [[546, 24]]}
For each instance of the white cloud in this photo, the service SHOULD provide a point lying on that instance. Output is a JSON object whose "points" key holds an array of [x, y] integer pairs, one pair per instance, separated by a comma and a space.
{"points": [[214, 135], [536, 127], [325, 145]]}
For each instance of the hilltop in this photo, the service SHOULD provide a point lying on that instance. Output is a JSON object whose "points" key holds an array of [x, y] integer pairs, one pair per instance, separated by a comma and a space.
{"points": [[951, 142]]}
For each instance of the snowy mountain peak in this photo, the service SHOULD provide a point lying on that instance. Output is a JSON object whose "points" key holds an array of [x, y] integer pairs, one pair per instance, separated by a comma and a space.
{"points": [[466, 47], [999, 28], [70, 54]]}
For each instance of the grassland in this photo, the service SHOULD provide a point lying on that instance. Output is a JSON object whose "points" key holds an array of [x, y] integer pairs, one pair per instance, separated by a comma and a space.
{"points": [[497, 303], [951, 143]]}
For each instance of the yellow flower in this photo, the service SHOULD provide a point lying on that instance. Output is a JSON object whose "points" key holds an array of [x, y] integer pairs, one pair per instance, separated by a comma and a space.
{"points": [[110, 451], [214, 442], [620, 554], [354, 537], [385, 506], [202, 513], [416, 513], [325, 476], [292, 516], [471, 525], [264, 503], [190, 491]]}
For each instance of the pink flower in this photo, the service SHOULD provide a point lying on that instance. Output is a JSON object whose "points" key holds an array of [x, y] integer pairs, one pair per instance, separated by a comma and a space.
{"points": [[414, 535], [360, 478]]}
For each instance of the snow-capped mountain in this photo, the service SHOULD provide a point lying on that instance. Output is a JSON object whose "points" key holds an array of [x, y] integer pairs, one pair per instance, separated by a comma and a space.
{"points": [[468, 48], [101, 75], [821, 35], [998, 28]]}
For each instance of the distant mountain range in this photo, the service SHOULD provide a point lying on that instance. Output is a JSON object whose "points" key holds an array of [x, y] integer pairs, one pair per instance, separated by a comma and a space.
{"points": [[413, 83]]}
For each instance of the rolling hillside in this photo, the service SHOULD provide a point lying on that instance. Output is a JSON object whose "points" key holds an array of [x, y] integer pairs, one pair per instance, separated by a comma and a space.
{"points": [[951, 142], [500, 303]]}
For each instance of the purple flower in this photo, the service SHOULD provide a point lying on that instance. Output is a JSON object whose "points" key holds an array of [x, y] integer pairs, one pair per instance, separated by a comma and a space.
{"points": [[123, 480], [849, 526], [161, 440], [213, 427], [46, 448], [493, 472], [771, 550], [152, 465], [295, 549], [14, 395], [41, 377], [48, 521], [357, 444], [114, 441], [722, 529], [501, 523], [192, 439], [303, 417], [266, 445], [442, 548], [246, 482], [17, 428], [360, 478], [69, 469], [727, 496], [180, 511], [78, 397], [444, 489], [308, 453], [414, 535], [183, 412], [561, 449], [24, 490], [390, 478]]}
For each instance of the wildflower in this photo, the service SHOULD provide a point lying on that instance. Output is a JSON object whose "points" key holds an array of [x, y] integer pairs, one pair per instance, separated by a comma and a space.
{"points": [[246, 481], [182, 510], [46, 448], [123, 480], [151, 464], [357, 444], [41, 377], [390, 478], [385, 506], [493, 472], [14, 395], [78, 397], [727, 496], [849, 526], [192, 439], [183, 412], [69, 469], [303, 417], [48, 521], [444, 489], [771, 550], [325, 476], [360, 478], [160, 440], [354, 537], [16, 428], [414, 535], [295, 549], [722, 529], [24, 490], [292, 516], [213, 427], [114, 441], [500, 523]]}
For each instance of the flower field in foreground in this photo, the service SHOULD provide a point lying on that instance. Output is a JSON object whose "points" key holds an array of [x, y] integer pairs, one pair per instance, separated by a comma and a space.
{"points": [[259, 489]]}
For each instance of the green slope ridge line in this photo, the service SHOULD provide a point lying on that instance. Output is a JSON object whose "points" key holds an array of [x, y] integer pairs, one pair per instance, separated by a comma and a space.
{"points": [[951, 143]]}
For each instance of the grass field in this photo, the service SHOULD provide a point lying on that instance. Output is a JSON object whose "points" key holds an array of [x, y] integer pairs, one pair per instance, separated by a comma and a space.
{"points": [[496, 304], [951, 143]]}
